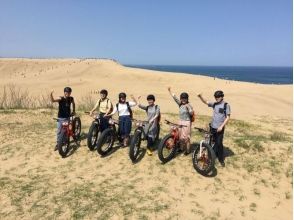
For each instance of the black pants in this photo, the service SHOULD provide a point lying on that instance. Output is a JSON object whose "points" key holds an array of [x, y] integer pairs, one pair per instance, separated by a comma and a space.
{"points": [[150, 142], [103, 122], [219, 147]]}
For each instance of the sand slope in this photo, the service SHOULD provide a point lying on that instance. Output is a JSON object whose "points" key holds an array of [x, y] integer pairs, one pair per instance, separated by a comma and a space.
{"points": [[247, 100]]}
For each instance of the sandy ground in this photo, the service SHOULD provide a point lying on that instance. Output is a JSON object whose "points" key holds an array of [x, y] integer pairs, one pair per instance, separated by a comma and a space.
{"points": [[247, 100], [36, 183]]}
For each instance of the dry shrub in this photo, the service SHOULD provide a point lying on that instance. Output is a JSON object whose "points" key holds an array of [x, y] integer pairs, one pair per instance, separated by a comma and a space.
{"points": [[13, 97], [86, 103]]}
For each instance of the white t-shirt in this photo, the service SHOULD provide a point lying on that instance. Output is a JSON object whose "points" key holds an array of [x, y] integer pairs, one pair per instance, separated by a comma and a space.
{"points": [[123, 108]]}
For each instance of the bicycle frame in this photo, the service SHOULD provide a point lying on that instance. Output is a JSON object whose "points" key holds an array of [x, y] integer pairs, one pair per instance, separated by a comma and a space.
{"points": [[68, 126], [95, 117], [208, 137], [140, 126], [174, 131]]}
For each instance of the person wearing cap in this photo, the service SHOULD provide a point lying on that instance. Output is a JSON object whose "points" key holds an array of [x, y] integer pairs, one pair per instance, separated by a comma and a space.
{"points": [[64, 108], [125, 115], [220, 117], [104, 106], [153, 117], [186, 113]]}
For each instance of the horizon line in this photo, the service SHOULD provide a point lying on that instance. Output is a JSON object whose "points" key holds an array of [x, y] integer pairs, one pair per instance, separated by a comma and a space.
{"points": [[140, 64]]}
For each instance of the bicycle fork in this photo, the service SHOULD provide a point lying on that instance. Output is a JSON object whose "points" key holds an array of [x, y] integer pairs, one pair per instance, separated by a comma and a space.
{"points": [[201, 143]]}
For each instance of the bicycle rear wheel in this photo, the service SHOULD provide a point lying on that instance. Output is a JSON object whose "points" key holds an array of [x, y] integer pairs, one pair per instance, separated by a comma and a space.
{"points": [[77, 125]]}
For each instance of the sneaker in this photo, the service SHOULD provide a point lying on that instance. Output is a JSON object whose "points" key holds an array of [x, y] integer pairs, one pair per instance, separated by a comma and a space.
{"points": [[222, 163], [180, 150], [186, 153], [149, 152]]}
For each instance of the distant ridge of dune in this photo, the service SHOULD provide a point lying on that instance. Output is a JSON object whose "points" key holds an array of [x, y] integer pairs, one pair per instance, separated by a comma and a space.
{"points": [[248, 100]]}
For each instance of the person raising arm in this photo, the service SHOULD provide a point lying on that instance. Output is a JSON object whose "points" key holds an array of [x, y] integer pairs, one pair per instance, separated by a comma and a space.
{"points": [[221, 116]]}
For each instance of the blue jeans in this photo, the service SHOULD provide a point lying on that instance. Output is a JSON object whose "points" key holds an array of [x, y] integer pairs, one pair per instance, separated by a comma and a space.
{"points": [[125, 126], [59, 127]]}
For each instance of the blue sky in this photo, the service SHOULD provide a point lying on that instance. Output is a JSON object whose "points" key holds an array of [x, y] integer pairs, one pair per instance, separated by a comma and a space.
{"points": [[210, 32]]}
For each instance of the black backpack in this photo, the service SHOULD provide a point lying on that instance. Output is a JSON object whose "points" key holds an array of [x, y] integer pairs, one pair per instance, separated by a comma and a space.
{"points": [[225, 107], [159, 116], [129, 108]]}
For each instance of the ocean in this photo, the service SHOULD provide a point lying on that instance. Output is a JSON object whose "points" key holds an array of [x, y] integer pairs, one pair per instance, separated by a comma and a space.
{"points": [[256, 74]]}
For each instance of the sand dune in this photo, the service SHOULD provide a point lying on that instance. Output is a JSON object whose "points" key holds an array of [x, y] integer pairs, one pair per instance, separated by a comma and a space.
{"points": [[248, 100], [35, 183]]}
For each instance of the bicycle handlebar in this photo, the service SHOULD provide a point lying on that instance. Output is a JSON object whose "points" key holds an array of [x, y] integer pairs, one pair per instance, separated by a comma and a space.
{"points": [[202, 130], [136, 120], [69, 118], [174, 124], [114, 121]]}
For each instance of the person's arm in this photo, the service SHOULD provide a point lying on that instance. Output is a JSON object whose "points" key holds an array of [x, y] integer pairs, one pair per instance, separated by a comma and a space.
{"points": [[174, 96], [52, 98], [140, 105], [73, 106], [190, 109], [95, 107], [228, 115], [155, 116], [220, 128], [109, 108], [134, 99], [112, 113], [132, 104], [203, 99]]}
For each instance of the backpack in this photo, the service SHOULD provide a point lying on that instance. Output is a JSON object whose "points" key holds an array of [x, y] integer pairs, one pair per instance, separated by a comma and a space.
{"points": [[225, 107], [193, 116], [159, 116], [129, 108], [111, 107]]}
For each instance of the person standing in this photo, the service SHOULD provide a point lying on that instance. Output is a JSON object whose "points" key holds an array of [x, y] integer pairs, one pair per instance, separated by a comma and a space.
{"points": [[221, 116], [153, 117], [64, 109], [187, 116], [125, 115]]}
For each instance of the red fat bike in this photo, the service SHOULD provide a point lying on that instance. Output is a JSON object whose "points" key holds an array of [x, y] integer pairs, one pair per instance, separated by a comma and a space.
{"points": [[71, 127], [170, 144]]}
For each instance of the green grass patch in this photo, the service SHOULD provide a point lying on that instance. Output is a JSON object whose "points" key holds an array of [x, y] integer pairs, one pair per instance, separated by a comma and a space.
{"points": [[278, 136]]}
